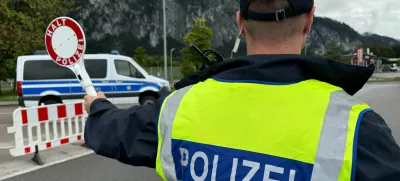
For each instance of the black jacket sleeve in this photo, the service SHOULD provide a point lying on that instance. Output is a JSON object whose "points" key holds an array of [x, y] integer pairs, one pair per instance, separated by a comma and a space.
{"points": [[378, 154], [127, 135]]}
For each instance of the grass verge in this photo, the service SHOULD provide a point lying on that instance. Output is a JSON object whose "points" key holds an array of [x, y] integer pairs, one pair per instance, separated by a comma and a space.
{"points": [[8, 95], [376, 79]]}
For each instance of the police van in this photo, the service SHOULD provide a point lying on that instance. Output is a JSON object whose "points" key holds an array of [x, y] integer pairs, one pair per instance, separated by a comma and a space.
{"points": [[40, 81]]}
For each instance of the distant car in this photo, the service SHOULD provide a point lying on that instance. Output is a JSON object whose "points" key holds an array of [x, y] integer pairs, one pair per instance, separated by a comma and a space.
{"points": [[41, 81], [393, 68]]}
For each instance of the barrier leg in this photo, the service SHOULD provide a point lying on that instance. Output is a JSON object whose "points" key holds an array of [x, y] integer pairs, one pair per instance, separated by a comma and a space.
{"points": [[86, 145], [36, 158]]}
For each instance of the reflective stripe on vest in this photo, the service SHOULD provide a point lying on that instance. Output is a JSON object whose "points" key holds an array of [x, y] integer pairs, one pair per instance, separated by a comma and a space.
{"points": [[335, 144], [165, 128]]}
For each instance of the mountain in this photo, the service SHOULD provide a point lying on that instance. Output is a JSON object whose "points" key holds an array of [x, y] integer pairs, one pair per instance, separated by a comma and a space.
{"points": [[125, 24], [325, 29], [370, 38]]}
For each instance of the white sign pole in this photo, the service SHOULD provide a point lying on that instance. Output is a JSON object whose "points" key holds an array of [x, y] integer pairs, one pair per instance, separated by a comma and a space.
{"points": [[66, 43]]}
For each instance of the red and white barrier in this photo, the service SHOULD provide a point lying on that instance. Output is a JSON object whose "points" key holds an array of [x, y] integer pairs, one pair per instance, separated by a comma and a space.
{"points": [[48, 125]]}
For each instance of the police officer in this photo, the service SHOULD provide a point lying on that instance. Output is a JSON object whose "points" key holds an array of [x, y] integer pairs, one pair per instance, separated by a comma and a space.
{"points": [[271, 115]]}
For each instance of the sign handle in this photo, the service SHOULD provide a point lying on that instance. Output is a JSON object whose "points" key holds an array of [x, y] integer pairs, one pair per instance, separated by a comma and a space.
{"points": [[84, 79]]}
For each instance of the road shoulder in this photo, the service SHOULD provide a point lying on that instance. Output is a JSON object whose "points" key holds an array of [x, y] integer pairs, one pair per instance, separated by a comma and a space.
{"points": [[14, 166]]}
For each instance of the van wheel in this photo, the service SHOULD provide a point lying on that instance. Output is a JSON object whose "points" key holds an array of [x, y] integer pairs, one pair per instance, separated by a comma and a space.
{"points": [[148, 100], [50, 102]]}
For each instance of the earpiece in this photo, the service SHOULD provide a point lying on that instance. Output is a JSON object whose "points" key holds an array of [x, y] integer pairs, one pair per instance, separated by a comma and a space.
{"points": [[237, 43]]}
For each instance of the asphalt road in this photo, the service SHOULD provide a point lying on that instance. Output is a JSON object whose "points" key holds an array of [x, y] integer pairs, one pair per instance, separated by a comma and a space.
{"points": [[5, 121], [6, 114], [90, 168], [383, 97]]}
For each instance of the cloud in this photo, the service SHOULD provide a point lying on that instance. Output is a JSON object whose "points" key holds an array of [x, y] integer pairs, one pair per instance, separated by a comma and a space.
{"points": [[377, 16]]}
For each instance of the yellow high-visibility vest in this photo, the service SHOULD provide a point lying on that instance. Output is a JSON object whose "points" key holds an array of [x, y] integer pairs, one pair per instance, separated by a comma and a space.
{"points": [[236, 131]]}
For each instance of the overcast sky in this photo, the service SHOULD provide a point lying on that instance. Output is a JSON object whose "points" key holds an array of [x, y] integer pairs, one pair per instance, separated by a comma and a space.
{"points": [[377, 16]]}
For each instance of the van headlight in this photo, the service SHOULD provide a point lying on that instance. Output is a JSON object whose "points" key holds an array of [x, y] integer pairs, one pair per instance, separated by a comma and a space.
{"points": [[165, 84]]}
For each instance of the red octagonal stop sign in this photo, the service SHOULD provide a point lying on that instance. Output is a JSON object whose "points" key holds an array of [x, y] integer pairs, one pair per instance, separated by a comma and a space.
{"points": [[65, 41]]}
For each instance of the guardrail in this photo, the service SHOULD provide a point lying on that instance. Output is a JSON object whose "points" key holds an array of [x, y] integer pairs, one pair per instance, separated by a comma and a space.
{"points": [[6, 86], [45, 127]]}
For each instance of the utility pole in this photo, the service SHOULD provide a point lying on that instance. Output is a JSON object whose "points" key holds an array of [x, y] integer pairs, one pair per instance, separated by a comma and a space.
{"points": [[165, 41], [171, 64], [305, 49]]}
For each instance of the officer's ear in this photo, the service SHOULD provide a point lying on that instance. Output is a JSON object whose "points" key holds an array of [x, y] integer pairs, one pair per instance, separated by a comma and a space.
{"points": [[309, 17], [239, 22]]}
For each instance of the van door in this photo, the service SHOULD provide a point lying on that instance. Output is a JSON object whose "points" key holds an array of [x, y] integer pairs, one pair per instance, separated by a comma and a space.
{"points": [[128, 82], [42, 80], [98, 72]]}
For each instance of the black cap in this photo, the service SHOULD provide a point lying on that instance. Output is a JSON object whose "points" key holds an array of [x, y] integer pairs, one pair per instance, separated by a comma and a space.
{"points": [[296, 7]]}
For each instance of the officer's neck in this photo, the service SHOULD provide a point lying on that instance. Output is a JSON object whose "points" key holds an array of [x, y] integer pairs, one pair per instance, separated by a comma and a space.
{"points": [[264, 48]]}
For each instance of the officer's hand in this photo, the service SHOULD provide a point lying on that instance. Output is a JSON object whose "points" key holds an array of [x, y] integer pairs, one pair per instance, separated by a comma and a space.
{"points": [[89, 100]]}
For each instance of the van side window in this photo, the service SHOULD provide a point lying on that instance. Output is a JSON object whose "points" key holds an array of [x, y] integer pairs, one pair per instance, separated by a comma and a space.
{"points": [[46, 70], [96, 68], [125, 68]]}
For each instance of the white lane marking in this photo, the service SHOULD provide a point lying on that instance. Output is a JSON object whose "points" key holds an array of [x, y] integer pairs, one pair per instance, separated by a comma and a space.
{"points": [[6, 147], [46, 165]]}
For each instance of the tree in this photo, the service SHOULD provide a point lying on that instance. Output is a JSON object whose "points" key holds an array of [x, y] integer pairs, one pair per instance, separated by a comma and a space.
{"points": [[22, 28], [396, 50], [187, 68], [333, 52], [200, 35], [383, 51], [140, 56], [309, 52]]}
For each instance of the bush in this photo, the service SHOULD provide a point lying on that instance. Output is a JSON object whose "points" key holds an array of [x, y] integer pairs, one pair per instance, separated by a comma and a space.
{"points": [[187, 68]]}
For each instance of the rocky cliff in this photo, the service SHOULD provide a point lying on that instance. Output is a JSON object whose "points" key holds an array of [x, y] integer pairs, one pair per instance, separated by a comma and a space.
{"points": [[126, 24]]}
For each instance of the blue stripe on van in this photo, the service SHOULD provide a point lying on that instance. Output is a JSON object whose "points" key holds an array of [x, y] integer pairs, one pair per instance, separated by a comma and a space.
{"points": [[79, 89], [136, 86], [38, 91]]}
